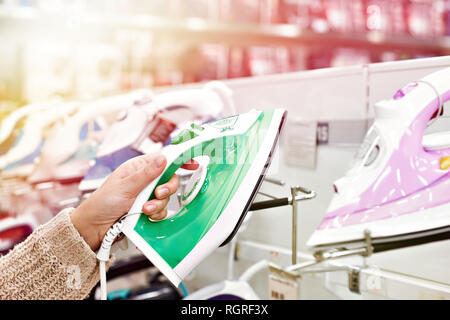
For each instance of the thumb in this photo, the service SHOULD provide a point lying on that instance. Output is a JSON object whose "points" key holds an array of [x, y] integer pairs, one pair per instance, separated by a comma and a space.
{"points": [[147, 169]]}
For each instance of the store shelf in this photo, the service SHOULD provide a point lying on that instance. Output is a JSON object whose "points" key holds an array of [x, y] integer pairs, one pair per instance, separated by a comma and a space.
{"points": [[375, 282], [203, 30]]}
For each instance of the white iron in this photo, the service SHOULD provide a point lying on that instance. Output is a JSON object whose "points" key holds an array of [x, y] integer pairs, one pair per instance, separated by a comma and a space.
{"points": [[148, 127]]}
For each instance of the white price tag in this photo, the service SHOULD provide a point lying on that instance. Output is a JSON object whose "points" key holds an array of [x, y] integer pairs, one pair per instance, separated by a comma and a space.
{"points": [[301, 143], [282, 288]]}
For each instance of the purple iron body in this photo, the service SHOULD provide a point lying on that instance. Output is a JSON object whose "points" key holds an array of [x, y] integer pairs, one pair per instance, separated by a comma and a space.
{"points": [[399, 184]]}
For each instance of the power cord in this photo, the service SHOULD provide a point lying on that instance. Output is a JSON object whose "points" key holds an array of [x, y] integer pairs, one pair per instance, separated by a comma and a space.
{"points": [[104, 252], [441, 105]]}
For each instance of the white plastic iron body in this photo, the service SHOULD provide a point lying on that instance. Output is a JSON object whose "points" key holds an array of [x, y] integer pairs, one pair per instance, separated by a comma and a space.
{"points": [[234, 154], [8, 125], [396, 185], [188, 105], [176, 109], [33, 133], [225, 290], [64, 138]]}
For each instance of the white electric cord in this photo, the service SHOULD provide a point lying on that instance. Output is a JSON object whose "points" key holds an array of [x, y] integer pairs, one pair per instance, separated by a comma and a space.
{"points": [[103, 290], [441, 105], [104, 252], [254, 269]]}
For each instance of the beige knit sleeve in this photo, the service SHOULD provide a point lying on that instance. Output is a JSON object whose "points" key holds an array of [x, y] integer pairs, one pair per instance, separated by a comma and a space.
{"points": [[53, 263]]}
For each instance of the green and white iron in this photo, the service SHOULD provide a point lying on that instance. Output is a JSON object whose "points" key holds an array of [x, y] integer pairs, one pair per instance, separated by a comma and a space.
{"points": [[234, 154]]}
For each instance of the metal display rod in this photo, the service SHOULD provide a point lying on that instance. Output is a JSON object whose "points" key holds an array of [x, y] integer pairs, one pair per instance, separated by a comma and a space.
{"points": [[305, 194]]}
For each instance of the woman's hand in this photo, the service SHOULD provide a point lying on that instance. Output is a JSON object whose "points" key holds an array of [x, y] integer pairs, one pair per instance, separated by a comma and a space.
{"points": [[115, 197]]}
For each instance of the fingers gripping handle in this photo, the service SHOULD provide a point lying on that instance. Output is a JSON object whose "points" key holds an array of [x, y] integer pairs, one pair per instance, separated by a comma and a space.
{"points": [[196, 181], [193, 187], [172, 154]]}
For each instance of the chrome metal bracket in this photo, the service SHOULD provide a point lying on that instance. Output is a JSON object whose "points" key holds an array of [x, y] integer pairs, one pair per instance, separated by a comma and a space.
{"points": [[298, 193], [335, 253], [282, 272], [306, 194]]}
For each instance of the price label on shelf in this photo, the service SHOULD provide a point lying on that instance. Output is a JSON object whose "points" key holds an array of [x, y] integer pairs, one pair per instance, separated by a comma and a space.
{"points": [[282, 288], [323, 132]]}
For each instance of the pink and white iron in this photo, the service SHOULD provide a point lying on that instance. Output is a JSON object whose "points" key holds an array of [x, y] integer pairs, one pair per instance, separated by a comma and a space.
{"points": [[398, 188]]}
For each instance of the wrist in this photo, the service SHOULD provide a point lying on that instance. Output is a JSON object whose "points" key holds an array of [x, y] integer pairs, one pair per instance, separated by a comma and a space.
{"points": [[87, 230]]}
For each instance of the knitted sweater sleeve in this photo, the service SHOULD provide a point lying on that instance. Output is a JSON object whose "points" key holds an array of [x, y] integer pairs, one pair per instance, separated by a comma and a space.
{"points": [[54, 262]]}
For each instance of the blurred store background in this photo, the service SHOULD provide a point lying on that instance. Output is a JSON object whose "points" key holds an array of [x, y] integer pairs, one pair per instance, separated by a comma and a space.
{"points": [[79, 51], [83, 49]]}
